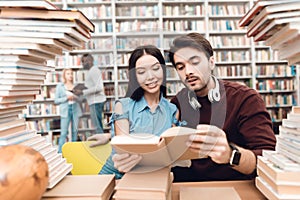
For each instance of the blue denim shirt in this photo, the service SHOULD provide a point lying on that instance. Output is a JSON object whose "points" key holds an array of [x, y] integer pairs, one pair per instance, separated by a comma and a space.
{"points": [[142, 120]]}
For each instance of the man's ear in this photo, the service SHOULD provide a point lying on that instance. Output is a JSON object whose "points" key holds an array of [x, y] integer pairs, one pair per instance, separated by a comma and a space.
{"points": [[211, 62]]}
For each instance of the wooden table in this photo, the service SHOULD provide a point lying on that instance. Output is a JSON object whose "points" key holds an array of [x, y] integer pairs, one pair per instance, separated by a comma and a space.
{"points": [[245, 189]]}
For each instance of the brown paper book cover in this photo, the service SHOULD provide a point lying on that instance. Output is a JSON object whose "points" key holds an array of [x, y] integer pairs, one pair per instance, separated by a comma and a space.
{"points": [[82, 187], [145, 185], [208, 193]]}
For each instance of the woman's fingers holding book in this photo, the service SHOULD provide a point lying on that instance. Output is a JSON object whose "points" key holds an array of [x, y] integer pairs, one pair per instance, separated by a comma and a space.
{"points": [[125, 162]]}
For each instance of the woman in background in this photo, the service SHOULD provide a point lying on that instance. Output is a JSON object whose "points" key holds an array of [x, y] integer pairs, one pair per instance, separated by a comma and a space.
{"points": [[69, 107]]}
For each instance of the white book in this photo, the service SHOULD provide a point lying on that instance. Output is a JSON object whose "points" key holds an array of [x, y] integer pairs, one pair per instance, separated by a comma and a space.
{"points": [[59, 174], [270, 193], [290, 123], [281, 160], [50, 153], [24, 136], [56, 164], [15, 66], [41, 4], [33, 141], [63, 37]]}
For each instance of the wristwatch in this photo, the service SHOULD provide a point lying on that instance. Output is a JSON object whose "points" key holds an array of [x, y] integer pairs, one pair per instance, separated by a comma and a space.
{"points": [[235, 155]]}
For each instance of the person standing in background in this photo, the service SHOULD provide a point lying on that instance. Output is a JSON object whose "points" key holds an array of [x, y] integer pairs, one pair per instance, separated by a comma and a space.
{"points": [[94, 93], [70, 110]]}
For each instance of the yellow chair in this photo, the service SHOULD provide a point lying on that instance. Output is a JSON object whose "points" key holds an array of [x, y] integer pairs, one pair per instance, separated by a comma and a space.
{"points": [[86, 160]]}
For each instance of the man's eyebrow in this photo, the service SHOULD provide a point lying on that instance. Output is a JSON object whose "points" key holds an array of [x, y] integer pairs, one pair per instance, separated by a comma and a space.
{"points": [[178, 63], [193, 57]]}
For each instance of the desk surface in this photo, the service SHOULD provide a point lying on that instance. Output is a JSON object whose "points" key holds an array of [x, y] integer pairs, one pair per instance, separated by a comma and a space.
{"points": [[245, 189]]}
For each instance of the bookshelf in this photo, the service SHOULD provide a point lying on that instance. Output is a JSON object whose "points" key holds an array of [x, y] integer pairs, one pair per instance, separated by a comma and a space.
{"points": [[122, 25]]}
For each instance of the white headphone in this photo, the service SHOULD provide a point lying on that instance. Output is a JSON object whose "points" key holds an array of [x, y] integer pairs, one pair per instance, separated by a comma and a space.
{"points": [[213, 95], [193, 101]]}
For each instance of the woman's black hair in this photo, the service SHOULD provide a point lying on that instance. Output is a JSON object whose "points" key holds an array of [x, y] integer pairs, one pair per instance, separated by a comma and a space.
{"points": [[134, 91]]}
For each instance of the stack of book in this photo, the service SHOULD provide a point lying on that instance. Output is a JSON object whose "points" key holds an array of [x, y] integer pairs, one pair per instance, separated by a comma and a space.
{"points": [[147, 184], [277, 22], [33, 33], [279, 171]]}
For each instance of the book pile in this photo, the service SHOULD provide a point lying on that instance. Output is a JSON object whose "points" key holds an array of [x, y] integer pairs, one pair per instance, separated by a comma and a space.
{"points": [[277, 22], [145, 185], [33, 33], [279, 171]]}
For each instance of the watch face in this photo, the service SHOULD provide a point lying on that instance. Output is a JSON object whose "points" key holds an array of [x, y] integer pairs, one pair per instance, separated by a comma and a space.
{"points": [[236, 157]]}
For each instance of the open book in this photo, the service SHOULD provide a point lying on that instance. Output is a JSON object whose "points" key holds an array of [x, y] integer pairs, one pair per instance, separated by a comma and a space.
{"points": [[158, 151]]}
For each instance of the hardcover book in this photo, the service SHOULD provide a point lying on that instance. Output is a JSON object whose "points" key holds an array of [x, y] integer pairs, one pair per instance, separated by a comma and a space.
{"points": [[270, 193], [287, 33], [147, 185], [158, 151], [255, 10], [280, 187], [90, 187]]}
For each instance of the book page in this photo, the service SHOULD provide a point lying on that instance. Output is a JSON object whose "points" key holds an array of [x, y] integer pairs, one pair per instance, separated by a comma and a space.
{"points": [[176, 138]]}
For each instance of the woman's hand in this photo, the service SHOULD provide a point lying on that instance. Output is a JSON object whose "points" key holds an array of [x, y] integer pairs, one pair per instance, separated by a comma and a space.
{"points": [[99, 139], [125, 162]]}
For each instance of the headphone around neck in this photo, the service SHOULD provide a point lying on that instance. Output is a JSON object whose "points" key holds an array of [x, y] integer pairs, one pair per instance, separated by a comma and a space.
{"points": [[213, 95]]}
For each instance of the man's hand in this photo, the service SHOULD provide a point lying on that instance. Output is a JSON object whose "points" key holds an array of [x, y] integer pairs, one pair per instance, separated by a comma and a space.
{"points": [[211, 141], [99, 139], [125, 162]]}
